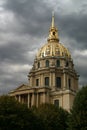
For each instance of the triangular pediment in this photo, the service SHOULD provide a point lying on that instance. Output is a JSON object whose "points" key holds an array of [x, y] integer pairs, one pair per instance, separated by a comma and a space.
{"points": [[21, 87]]}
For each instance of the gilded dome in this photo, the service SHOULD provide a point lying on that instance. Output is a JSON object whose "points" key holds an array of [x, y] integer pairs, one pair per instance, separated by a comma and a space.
{"points": [[53, 47]]}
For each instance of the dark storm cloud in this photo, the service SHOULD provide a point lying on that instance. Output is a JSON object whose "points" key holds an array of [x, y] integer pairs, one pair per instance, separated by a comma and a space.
{"points": [[16, 53], [80, 60], [8, 83], [12, 75], [30, 14], [74, 27]]}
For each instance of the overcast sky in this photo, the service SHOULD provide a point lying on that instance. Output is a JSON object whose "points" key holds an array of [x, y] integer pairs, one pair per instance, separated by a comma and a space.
{"points": [[24, 26]]}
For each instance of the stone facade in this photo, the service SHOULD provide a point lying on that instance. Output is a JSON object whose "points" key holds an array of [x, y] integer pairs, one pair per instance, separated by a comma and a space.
{"points": [[52, 79]]}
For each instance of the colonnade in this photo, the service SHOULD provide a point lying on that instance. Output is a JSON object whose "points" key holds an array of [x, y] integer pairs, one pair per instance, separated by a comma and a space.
{"points": [[33, 99]]}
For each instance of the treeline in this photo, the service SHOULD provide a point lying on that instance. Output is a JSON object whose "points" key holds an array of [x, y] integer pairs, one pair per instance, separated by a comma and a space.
{"points": [[16, 116]]}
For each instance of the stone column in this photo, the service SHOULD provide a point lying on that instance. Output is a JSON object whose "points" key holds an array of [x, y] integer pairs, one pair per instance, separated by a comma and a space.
{"points": [[67, 83], [33, 100], [50, 79], [64, 81], [28, 100], [19, 98], [53, 79], [42, 81]]}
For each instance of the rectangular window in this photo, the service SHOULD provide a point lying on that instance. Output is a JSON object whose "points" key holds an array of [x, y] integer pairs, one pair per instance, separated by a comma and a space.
{"points": [[56, 102], [46, 81], [58, 63], [47, 63], [58, 82], [37, 82]]}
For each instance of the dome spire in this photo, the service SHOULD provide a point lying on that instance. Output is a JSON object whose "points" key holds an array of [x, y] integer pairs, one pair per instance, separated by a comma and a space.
{"points": [[53, 19], [53, 32]]}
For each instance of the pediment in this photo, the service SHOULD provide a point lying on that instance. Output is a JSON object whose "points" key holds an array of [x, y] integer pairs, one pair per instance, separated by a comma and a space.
{"points": [[21, 87]]}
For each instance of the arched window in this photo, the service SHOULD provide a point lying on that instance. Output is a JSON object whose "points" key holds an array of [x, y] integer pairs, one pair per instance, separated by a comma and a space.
{"points": [[38, 64], [46, 81], [58, 82], [47, 63], [58, 63]]}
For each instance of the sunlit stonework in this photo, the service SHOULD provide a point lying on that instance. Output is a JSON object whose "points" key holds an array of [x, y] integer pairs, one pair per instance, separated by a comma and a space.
{"points": [[52, 79]]}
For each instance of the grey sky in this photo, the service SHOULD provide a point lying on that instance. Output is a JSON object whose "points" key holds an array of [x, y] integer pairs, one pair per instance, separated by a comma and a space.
{"points": [[24, 26]]}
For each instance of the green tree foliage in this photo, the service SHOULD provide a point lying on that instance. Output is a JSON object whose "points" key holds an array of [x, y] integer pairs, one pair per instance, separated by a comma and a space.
{"points": [[54, 118], [78, 117], [15, 116]]}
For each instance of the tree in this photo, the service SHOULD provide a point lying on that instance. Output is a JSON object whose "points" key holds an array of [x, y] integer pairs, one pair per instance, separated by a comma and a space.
{"points": [[78, 117], [16, 116], [54, 118]]}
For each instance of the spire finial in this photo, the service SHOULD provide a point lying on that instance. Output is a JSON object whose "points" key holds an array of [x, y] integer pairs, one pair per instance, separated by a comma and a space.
{"points": [[53, 32], [52, 18]]}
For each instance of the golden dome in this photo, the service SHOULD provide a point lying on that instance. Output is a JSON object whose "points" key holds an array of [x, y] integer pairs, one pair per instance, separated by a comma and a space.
{"points": [[53, 47]]}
